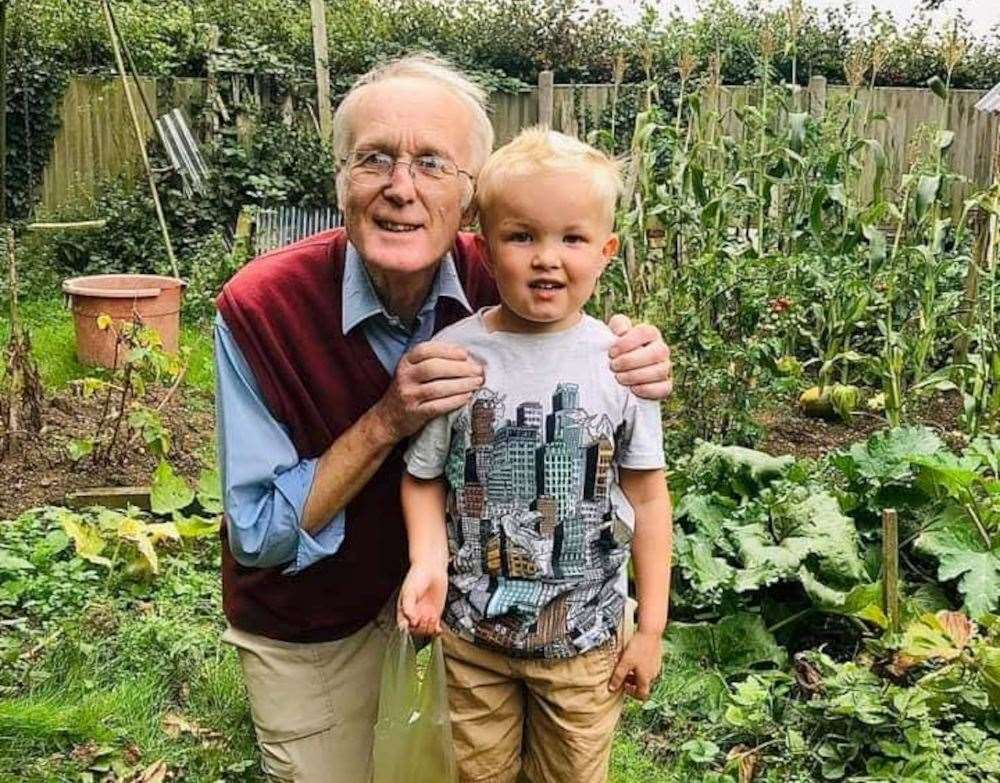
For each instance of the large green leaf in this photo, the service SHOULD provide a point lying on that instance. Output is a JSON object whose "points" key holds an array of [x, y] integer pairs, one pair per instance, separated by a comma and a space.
{"points": [[210, 491], [887, 455], [706, 573], [815, 528], [946, 473], [765, 560], [737, 471], [962, 554], [863, 601], [170, 492], [737, 643], [705, 512]]}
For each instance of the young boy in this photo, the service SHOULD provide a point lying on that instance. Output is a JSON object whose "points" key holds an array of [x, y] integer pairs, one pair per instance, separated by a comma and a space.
{"points": [[522, 507]]}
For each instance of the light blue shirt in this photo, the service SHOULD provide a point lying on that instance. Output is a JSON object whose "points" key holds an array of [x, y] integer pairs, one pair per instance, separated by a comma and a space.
{"points": [[265, 483]]}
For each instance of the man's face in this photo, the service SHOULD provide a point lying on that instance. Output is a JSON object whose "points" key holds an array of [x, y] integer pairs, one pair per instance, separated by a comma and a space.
{"points": [[401, 225], [549, 239]]}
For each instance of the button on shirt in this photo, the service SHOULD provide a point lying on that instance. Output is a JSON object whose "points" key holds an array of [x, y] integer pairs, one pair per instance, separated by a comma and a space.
{"points": [[265, 483]]}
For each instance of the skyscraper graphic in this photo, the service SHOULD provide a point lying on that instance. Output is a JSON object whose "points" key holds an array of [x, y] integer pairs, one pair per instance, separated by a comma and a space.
{"points": [[529, 414], [483, 415], [532, 538]]}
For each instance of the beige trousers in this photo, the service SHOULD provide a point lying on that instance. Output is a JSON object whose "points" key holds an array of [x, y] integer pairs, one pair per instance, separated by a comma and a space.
{"points": [[530, 720], [314, 705]]}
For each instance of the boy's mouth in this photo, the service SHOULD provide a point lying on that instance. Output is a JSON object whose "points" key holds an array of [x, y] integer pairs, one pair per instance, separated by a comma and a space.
{"points": [[546, 285]]}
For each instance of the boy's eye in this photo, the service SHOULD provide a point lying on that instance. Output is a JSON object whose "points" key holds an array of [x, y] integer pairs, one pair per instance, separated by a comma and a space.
{"points": [[519, 236], [575, 238]]}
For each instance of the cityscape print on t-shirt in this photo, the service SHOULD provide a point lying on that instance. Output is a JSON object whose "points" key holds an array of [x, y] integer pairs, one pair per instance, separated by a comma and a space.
{"points": [[536, 548]]}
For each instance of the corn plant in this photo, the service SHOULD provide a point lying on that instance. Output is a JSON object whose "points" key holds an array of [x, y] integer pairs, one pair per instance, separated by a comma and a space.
{"points": [[731, 208]]}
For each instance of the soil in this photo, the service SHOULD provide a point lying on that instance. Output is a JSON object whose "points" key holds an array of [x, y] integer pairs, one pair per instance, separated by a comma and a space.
{"points": [[43, 473], [789, 431]]}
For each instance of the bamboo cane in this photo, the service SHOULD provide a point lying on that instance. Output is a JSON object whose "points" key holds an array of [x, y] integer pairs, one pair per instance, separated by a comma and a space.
{"points": [[14, 390], [139, 136]]}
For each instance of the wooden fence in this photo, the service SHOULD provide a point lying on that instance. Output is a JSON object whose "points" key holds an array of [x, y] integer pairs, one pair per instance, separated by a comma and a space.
{"points": [[95, 139]]}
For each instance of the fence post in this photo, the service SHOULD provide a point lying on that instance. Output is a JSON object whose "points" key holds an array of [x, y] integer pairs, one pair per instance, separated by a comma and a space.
{"points": [[817, 96], [322, 57], [546, 97], [890, 567]]}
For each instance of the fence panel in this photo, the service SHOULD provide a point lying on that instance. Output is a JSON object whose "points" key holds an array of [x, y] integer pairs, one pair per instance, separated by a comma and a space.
{"points": [[96, 140]]}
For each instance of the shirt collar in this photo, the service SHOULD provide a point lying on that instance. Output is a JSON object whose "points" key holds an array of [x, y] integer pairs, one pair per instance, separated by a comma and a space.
{"points": [[361, 301]]}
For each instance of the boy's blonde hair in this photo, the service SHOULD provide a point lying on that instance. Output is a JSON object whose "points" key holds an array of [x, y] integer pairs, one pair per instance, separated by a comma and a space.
{"points": [[540, 150]]}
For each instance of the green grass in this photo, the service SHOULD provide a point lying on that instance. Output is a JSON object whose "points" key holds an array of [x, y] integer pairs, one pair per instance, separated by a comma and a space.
{"points": [[92, 682], [50, 325], [631, 764]]}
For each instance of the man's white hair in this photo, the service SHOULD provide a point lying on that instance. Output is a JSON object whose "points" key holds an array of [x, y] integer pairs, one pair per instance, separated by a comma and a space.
{"points": [[430, 68]]}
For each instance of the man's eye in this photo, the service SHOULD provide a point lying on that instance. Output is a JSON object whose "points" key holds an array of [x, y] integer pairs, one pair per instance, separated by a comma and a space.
{"points": [[431, 164], [376, 160]]}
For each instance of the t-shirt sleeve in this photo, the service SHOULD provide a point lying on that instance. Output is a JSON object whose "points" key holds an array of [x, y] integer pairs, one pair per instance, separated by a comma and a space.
{"points": [[428, 451], [641, 444]]}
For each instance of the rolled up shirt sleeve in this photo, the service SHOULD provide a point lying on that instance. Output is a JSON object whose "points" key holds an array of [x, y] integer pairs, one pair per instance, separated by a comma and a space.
{"points": [[265, 484]]}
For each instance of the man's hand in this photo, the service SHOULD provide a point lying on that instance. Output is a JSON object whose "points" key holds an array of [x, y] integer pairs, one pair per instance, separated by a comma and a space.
{"points": [[421, 600], [431, 379], [640, 359], [638, 666]]}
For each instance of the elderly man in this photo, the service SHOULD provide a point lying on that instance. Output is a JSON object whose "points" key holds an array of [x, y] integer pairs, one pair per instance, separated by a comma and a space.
{"points": [[323, 373]]}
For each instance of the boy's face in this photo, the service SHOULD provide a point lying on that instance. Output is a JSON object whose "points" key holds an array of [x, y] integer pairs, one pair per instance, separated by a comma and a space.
{"points": [[548, 239]]}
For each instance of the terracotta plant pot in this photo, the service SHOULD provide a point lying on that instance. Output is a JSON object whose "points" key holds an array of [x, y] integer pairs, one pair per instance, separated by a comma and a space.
{"points": [[155, 299]]}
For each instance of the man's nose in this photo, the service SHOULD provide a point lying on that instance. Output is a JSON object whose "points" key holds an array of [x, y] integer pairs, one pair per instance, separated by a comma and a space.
{"points": [[400, 189]]}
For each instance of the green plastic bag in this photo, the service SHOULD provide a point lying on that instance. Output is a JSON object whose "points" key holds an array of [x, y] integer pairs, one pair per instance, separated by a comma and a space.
{"points": [[413, 741]]}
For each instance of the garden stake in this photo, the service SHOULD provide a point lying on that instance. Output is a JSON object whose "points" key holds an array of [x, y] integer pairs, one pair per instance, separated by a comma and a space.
{"points": [[3, 111], [890, 568], [24, 390], [139, 136]]}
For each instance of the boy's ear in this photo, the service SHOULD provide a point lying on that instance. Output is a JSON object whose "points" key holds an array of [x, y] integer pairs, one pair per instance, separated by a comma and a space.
{"points": [[484, 251], [610, 249]]}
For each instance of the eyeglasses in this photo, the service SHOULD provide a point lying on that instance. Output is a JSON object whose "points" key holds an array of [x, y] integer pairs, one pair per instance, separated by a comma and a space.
{"points": [[373, 168]]}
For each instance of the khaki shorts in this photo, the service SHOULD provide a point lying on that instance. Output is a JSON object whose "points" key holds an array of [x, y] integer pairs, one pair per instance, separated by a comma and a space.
{"points": [[314, 705], [551, 721]]}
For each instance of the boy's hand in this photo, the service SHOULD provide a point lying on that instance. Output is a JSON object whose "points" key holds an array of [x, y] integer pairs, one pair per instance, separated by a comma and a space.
{"points": [[421, 600], [640, 359], [638, 666]]}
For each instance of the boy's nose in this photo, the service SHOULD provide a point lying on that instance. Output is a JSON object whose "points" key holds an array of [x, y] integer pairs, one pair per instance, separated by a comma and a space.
{"points": [[547, 257]]}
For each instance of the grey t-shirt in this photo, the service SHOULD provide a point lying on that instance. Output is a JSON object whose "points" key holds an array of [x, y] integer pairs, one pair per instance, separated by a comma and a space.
{"points": [[538, 529]]}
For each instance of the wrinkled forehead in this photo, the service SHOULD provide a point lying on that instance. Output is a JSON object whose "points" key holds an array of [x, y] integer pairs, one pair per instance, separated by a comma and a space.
{"points": [[412, 116]]}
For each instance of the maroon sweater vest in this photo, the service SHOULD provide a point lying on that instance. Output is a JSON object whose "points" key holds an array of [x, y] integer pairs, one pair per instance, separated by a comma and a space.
{"points": [[284, 311]]}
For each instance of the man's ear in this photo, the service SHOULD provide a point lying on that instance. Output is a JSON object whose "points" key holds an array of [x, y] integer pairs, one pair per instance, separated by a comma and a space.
{"points": [[470, 213], [610, 249], [484, 251]]}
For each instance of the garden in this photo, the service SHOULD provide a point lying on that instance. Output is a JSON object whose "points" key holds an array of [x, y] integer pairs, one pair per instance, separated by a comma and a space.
{"points": [[821, 256]]}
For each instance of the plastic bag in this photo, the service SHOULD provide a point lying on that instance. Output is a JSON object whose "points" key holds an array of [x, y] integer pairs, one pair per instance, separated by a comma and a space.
{"points": [[413, 742]]}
